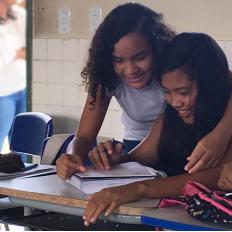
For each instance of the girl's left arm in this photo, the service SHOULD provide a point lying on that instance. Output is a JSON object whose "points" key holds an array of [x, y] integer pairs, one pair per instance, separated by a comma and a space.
{"points": [[210, 150], [107, 200]]}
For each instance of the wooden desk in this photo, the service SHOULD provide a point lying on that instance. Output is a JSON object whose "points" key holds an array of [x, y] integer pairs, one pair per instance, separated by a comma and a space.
{"points": [[53, 194]]}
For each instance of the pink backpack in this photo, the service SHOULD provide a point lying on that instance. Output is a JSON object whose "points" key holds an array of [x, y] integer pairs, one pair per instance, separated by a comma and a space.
{"points": [[202, 203]]}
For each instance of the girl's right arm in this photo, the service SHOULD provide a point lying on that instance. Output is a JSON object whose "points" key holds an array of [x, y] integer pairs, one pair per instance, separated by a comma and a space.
{"points": [[90, 124]]}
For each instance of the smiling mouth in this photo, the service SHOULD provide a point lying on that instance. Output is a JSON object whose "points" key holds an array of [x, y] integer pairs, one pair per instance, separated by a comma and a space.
{"points": [[184, 113], [135, 79]]}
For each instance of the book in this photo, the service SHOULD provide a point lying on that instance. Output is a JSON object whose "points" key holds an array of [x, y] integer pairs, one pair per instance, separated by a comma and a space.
{"points": [[94, 180]]}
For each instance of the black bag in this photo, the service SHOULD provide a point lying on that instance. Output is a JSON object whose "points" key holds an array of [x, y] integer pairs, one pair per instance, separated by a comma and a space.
{"points": [[10, 163]]}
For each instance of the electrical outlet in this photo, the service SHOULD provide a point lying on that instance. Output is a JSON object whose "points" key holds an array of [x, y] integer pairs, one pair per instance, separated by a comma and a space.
{"points": [[95, 18], [64, 20]]}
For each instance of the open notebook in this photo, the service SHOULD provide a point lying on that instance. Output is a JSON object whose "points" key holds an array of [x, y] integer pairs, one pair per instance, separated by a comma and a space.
{"points": [[94, 180]]}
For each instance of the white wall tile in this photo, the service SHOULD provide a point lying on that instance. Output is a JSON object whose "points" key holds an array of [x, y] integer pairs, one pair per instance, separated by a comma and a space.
{"points": [[72, 49], [40, 71], [84, 49], [39, 93], [39, 47], [71, 95], [228, 52], [72, 72], [55, 92], [56, 113], [82, 96], [39, 108], [55, 110], [55, 49], [73, 112], [221, 44], [72, 117], [55, 71]]}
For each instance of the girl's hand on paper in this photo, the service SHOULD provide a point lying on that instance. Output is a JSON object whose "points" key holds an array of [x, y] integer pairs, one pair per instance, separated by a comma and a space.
{"points": [[105, 155], [208, 152], [109, 199], [225, 180], [67, 165]]}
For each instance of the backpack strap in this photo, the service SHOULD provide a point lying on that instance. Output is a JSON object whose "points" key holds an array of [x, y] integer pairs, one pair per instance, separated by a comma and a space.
{"points": [[54, 146], [191, 188]]}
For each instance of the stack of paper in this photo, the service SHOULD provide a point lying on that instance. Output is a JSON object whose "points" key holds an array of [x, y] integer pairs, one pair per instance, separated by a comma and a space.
{"points": [[29, 171], [94, 180]]}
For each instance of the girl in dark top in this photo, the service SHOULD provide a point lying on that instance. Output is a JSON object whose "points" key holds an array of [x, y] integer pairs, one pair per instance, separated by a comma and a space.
{"points": [[196, 80], [204, 62]]}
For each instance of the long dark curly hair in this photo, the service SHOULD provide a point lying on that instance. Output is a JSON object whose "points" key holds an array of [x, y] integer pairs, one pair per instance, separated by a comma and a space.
{"points": [[122, 20]]}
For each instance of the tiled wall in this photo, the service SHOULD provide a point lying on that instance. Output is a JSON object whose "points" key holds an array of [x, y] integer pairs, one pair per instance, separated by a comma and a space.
{"points": [[56, 84]]}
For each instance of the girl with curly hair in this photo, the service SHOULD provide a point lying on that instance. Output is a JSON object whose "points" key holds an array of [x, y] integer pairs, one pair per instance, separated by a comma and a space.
{"points": [[123, 62], [196, 80]]}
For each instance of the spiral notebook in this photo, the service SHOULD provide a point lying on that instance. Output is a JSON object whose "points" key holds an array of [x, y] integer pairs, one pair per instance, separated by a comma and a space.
{"points": [[94, 180]]}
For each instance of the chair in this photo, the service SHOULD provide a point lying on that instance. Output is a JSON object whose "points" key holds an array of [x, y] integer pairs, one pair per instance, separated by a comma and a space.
{"points": [[56, 145], [29, 130]]}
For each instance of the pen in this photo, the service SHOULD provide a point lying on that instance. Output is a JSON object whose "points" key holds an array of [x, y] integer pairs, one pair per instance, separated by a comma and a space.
{"points": [[29, 167]]}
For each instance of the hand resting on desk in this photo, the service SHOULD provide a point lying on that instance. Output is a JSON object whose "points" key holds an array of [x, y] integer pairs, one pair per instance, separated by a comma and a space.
{"points": [[68, 164]]}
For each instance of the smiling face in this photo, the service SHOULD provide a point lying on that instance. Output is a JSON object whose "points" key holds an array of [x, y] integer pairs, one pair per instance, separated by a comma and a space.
{"points": [[133, 60], [180, 93]]}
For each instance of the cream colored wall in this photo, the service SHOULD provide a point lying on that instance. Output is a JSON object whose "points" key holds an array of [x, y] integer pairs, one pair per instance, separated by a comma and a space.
{"points": [[209, 16], [59, 58]]}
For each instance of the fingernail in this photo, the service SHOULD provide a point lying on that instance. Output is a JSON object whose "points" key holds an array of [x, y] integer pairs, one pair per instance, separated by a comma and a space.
{"points": [[84, 217], [86, 223]]}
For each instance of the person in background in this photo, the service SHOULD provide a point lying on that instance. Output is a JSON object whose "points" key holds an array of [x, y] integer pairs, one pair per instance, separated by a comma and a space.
{"points": [[12, 64], [123, 61], [21, 3], [196, 79], [225, 180]]}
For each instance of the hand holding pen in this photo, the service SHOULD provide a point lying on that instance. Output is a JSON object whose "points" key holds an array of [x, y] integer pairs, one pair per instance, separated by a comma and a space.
{"points": [[106, 154]]}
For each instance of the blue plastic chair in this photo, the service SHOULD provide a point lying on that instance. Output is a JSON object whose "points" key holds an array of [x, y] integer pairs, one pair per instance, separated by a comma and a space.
{"points": [[29, 130], [61, 150], [56, 146]]}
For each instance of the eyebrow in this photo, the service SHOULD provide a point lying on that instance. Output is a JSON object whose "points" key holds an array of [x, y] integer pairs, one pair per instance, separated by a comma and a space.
{"points": [[176, 89], [137, 54]]}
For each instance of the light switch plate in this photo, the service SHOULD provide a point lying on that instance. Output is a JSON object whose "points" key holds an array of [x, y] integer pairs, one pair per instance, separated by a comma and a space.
{"points": [[95, 18], [64, 20]]}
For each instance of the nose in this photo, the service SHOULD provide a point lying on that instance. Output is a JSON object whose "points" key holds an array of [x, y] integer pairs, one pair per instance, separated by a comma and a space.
{"points": [[175, 101], [130, 68]]}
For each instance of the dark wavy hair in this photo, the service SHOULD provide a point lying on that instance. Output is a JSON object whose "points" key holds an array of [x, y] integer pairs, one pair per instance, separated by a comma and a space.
{"points": [[122, 20], [200, 57]]}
